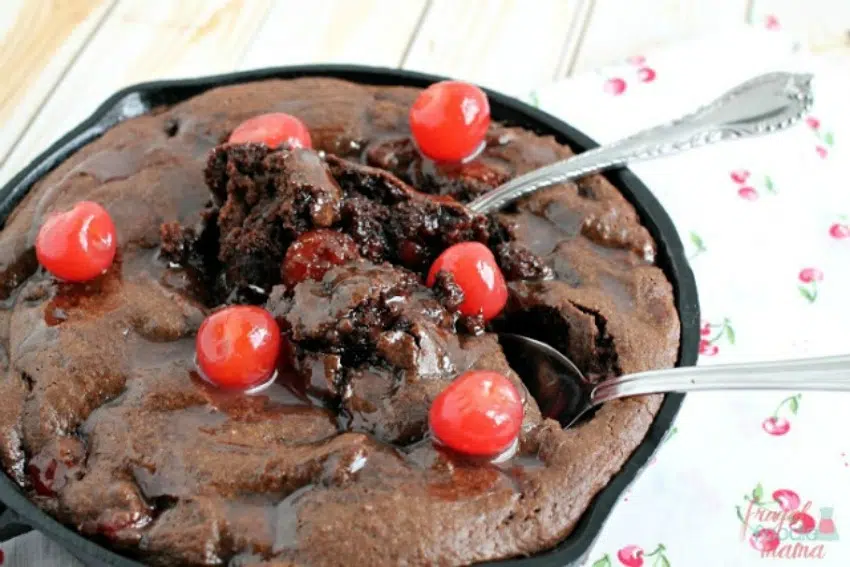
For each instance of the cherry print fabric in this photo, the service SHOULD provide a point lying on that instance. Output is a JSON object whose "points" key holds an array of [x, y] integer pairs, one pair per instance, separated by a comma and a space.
{"points": [[748, 478]]}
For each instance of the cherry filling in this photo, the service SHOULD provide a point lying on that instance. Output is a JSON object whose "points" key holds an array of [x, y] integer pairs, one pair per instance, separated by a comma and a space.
{"points": [[479, 414], [449, 121], [77, 245], [274, 130], [316, 252], [238, 347]]}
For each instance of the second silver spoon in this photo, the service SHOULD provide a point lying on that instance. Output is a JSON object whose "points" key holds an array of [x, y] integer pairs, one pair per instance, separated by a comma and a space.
{"points": [[563, 392]]}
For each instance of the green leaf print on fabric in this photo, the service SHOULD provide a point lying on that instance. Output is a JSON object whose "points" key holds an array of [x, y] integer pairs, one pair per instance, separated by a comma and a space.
{"points": [[758, 492], [699, 245], [769, 185], [810, 296], [793, 405]]}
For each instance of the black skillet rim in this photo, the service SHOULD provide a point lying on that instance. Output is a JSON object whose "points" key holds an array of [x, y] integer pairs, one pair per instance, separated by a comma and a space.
{"points": [[22, 514]]}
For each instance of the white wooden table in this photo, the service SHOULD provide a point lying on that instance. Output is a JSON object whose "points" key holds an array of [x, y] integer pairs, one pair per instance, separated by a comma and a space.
{"points": [[60, 58]]}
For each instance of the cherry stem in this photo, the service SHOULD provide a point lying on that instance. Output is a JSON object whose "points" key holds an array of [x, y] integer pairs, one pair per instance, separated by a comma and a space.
{"points": [[656, 551], [723, 326], [785, 401]]}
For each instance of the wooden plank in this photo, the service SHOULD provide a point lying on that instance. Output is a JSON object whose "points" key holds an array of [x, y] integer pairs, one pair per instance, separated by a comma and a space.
{"points": [[621, 28], [511, 45], [38, 41], [368, 32], [140, 41], [575, 38]]}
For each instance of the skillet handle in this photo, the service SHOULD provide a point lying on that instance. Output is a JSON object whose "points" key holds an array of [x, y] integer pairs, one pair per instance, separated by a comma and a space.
{"points": [[10, 524]]}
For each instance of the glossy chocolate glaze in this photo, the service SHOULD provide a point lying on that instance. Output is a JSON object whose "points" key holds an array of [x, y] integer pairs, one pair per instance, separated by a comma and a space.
{"points": [[108, 427]]}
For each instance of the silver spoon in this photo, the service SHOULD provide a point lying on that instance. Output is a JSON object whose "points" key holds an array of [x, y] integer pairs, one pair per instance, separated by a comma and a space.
{"points": [[563, 393], [763, 105]]}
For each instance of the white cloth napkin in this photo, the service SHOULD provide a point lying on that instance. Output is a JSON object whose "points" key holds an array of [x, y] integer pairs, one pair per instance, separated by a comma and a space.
{"points": [[767, 225]]}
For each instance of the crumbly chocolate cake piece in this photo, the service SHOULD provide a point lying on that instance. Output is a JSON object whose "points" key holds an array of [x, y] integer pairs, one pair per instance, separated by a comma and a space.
{"points": [[374, 342], [268, 198], [106, 425]]}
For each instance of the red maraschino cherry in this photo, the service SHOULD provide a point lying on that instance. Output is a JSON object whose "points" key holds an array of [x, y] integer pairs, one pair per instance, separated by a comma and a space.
{"points": [[316, 252], [237, 347], [478, 414], [475, 271], [77, 245], [449, 120], [274, 130]]}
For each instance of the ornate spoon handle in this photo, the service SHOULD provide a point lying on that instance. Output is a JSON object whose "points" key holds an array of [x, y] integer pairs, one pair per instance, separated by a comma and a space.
{"points": [[762, 105]]}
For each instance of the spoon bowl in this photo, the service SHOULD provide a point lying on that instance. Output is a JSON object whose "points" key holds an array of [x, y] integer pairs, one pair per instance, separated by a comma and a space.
{"points": [[559, 387]]}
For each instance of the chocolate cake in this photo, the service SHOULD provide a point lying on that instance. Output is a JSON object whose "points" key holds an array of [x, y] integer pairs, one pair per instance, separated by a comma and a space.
{"points": [[107, 424]]}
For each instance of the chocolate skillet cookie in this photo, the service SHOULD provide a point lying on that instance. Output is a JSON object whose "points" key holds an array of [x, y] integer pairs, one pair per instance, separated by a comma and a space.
{"points": [[256, 328]]}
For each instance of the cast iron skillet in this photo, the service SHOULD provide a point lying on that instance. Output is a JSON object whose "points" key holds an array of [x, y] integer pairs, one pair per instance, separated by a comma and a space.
{"points": [[19, 515]]}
